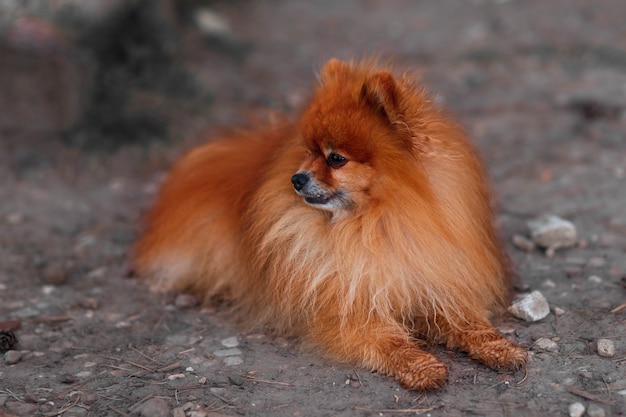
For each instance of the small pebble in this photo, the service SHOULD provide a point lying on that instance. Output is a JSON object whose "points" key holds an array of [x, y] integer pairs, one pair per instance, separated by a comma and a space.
{"points": [[523, 243], [227, 352], [89, 303], [230, 342], [233, 361], [553, 232], [594, 279], [546, 344], [21, 408], [186, 301], [12, 357], [175, 377], [595, 411], [55, 273], [532, 307], [573, 271], [235, 379], [576, 410], [606, 348], [558, 311]]}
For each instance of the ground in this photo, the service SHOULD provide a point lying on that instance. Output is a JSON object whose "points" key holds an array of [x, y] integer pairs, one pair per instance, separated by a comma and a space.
{"points": [[541, 88]]}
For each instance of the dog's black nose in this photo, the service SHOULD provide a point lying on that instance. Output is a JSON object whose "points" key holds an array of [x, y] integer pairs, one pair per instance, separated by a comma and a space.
{"points": [[299, 180]]}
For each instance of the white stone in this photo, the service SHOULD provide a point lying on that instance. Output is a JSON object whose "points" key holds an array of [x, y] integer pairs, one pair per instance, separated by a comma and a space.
{"points": [[552, 232], [532, 307], [544, 343], [230, 342], [595, 279], [576, 410], [606, 348]]}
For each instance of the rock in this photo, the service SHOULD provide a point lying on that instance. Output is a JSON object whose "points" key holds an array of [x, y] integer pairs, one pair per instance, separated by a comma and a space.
{"points": [[233, 361], [576, 410], [12, 357], [595, 411], [552, 232], [532, 307], [230, 342], [595, 279], [186, 301], [22, 409], [523, 243], [56, 273], [154, 407], [573, 271], [227, 352], [546, 344], [235, 379], [606, 348], [559, 311]]}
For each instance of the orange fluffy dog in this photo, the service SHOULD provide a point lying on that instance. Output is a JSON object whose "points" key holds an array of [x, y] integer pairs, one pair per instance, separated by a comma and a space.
{"points": [[364, 228]]}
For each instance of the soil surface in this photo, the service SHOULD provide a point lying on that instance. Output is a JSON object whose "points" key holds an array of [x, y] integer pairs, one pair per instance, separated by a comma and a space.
{"points": [[540, 86]]}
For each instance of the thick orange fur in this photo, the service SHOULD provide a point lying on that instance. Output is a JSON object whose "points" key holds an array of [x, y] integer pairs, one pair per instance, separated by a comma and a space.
{"points": [[386, 241]]}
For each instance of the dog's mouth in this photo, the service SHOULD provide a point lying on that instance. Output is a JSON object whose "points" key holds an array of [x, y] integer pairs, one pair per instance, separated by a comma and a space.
{"points": [[318, 199]]}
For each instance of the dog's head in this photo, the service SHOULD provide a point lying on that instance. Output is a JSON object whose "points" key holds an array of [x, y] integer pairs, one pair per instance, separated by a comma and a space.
{"points": [[353, 134]]}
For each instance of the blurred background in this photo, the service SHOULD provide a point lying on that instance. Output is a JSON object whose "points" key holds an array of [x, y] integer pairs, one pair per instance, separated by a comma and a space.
{"points": [[99, 97]]}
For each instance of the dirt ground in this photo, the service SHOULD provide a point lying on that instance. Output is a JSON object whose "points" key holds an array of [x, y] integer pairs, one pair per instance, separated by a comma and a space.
{"points": [[541, 87]]}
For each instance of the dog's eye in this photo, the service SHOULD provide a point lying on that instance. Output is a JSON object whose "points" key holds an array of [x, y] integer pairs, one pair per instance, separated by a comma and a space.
{"points": [[335, 160]]}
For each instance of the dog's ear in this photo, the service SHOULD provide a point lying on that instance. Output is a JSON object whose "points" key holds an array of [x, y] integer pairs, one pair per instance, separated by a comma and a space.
{"points": [[380, 92]]}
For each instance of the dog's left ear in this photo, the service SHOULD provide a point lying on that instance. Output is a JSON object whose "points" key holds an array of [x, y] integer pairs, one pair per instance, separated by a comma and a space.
{"points": [[379, 91]]}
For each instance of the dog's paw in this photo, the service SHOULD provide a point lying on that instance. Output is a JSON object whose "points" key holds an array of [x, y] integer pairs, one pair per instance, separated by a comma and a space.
{"points": [[501, 353], [424, 373]]}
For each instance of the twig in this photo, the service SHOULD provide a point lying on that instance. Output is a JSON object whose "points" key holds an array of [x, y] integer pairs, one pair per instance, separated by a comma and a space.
{"points": [[144, 355], [618, 308], [265, 381], [51, 319], [113, 358], [525, 376], [169, 367], [573, 390], [358, 377], [8, 391]]}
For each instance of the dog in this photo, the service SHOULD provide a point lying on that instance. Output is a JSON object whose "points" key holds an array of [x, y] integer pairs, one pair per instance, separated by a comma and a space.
{"points": [[365, 228]]}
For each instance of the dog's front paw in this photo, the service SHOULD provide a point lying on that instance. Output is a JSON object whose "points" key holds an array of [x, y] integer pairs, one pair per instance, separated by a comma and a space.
{"points": [[500, 353], [418, 370]]}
